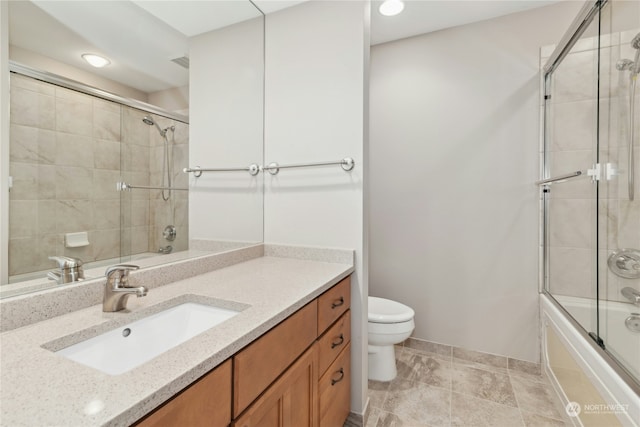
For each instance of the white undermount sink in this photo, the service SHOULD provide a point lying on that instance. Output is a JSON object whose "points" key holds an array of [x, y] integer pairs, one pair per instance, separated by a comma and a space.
{"points": [[131, 345]]}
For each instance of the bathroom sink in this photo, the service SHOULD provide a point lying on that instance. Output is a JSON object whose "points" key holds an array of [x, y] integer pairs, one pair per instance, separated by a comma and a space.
{"points": [[131, 345]]}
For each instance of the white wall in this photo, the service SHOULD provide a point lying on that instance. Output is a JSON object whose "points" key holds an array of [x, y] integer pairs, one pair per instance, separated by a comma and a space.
{"points": [[226, 117], [316, 67], [453, 157]]}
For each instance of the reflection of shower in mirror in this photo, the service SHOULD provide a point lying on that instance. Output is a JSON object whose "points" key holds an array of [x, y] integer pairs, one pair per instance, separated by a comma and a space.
{"points": [[166, 162]]}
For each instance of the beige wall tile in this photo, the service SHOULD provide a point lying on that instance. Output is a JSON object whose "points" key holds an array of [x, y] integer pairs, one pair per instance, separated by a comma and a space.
{"points": [[106, 214], [106, 154], [571, 223], [23, 218], [32, 109], [104, 184], [73, 216], [47, 216], [106, 124], [33, 85], [74, 183], [575, 77], [74, 150], [73, 117], [106, 243], [32, 145], [573, 126], [572, 272]]}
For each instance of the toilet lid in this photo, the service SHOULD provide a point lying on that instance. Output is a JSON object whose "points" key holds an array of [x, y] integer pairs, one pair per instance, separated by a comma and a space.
{"points": [[387, 311]]}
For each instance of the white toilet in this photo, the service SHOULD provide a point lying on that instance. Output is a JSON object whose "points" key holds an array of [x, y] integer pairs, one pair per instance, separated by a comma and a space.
{"points": [[389, 323]]}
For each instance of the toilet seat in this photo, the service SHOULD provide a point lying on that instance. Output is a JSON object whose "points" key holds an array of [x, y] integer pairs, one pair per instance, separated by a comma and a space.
{"points": [[386, 311]]}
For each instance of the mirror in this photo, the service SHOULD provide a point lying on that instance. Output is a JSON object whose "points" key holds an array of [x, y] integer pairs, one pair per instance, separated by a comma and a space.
{"points": [[78, 132]]}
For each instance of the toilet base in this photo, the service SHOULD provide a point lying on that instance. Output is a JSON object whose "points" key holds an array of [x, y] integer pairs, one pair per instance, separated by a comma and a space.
{"points": [[382, 363]]}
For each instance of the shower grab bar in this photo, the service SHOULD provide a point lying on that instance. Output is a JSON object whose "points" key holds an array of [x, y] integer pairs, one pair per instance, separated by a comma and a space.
{"points": [[253, 170], [560, 178], [123, 186], [347, 164]]}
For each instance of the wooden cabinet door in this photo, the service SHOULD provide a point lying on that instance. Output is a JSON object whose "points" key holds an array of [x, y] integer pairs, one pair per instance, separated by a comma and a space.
{"points": [[264, 360], [292, 401], [335, 391], [207, 402]]}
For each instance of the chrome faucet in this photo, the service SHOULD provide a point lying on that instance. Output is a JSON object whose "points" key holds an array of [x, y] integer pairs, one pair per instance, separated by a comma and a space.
{"points": [[632, 295], [69, 270], [117, 290]]}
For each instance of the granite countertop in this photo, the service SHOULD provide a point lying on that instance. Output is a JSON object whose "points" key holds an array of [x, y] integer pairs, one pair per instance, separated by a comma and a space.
{"points": [[40, 387]]}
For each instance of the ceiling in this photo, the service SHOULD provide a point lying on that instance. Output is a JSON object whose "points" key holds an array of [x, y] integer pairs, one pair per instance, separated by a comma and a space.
{"points": [[140, 37]]}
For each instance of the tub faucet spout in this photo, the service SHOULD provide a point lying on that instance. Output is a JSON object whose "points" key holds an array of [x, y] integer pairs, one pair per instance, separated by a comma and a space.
{"points": [[117, 289], [632, 295]]}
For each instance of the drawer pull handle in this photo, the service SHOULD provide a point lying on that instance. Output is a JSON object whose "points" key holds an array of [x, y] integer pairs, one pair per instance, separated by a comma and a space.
{"points": [[337, 303], [341, 372], [338, 342]]}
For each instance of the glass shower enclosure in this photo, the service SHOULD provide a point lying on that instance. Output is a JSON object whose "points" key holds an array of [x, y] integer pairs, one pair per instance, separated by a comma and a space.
{"points": [[590, 192]]}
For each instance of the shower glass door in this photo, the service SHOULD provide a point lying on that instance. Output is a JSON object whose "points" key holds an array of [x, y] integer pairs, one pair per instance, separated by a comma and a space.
{"points": [[619, 197], [591, 233], [571, 148]]}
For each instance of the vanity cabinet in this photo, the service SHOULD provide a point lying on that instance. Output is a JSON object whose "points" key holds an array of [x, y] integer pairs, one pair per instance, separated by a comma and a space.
{"points": [[297, 374], [291, 401], [207, 402]]}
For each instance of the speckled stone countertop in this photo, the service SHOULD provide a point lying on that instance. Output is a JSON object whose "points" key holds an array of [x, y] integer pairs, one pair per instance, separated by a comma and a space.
{"points": [[39, 387]]}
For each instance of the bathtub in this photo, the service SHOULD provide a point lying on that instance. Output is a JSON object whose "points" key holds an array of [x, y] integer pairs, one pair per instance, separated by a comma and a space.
{"points": [[580, 371]]}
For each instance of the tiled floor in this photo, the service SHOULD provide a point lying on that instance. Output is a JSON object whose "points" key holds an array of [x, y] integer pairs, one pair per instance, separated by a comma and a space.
{"points": [[440, 385]]}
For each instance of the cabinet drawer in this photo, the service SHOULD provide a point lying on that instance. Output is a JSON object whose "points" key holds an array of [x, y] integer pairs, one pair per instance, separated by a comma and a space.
{"points": [[334, 340], [205, 403], [335, 391], [333, 303], [258, 365]]}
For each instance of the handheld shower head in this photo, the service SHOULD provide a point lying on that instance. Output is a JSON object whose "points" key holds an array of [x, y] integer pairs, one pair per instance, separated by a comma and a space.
{"points": [[635, 43], [149, 120]]}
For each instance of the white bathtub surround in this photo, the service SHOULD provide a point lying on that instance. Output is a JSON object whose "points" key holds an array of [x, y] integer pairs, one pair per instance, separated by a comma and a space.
{"points": [[621, 342], [272, 287], [579, 372]]}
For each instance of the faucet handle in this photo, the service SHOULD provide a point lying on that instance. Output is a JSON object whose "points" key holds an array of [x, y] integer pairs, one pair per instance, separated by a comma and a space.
{"points": [[66, 262], [123, 269]]}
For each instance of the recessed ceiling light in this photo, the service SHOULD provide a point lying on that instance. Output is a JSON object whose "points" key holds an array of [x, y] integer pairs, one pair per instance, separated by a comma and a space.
{"points": [[95, 60], [391, 7]]}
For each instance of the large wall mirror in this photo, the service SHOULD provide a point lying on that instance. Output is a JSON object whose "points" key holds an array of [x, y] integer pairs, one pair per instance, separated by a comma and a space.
{"points": [[96, 155]]}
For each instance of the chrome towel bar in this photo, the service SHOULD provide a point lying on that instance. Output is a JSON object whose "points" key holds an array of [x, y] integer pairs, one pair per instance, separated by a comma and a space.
{"points": [[253, 170], [347, 164], [560, 178], [123, 186]]}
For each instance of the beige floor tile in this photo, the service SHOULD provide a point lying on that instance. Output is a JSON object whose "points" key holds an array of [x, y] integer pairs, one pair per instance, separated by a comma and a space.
{"points": [[425, 368], [418, 404], [484, 384], [535, 397], [467, 411], [535, 420]]}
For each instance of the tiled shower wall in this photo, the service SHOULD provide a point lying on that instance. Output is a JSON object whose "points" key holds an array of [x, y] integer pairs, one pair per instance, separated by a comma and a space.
{"points": [[67, 152], [572, 147]]}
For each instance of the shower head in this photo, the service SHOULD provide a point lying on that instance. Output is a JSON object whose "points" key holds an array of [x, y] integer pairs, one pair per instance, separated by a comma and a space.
{"points": [[624, 64], [635, 42], [149, 120]]}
